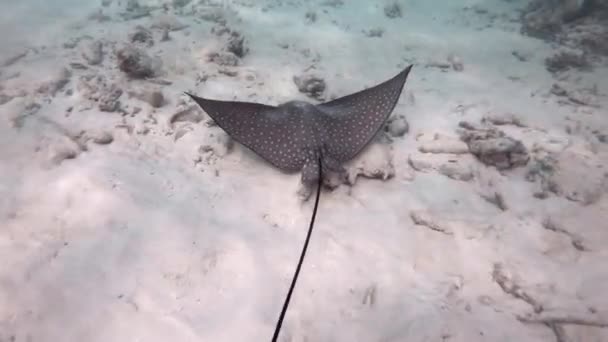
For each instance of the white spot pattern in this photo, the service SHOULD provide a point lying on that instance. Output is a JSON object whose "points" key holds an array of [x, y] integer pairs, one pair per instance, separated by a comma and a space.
{"points": [[294, 135]]}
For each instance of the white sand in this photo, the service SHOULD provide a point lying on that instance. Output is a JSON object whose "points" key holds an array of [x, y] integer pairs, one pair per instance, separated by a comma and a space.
{"points": [[132, 241]]}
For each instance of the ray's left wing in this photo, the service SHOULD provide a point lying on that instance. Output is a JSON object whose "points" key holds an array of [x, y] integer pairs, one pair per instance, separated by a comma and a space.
{"points": [[356, 118], [264, 129]]}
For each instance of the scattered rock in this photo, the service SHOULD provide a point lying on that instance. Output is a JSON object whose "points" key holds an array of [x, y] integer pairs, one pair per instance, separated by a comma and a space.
{"points": [[188, 114], [310, 85], [223, 58], [502, 119], [442, 144], [102, 137], [443, 65], [457, 167], [543, 19], [135, 11], [601, 137], [154, 97], [228, 72], [141, 35], [497, 199], [109, 101], [236, 45], [374, 32], [583, 97], [310, 17], [578, 176], [141, 128], [420, 164], [165, 36], [376, 163], [168, 22], [99, 16], [96, 89], [61, 152], [397, 126], [333, 3], [564, 61], [213, 14], [181, 3], [494, 147], [521, 56], [456, 170], [136, 63], [456, 62], [217, 145], [78, 66], [424, 218], [393, 10], [93, 52]]}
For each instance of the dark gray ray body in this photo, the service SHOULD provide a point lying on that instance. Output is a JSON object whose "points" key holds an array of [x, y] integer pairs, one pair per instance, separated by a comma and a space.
{"points": [[294, 135]]}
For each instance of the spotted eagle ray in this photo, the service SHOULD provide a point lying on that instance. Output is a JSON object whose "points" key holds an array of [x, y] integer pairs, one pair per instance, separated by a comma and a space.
{"points": [[314, 139], [296, 135]]}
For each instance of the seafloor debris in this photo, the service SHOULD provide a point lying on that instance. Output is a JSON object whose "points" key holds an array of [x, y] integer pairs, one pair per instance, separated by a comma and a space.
{"points": [[134, 10], [456, 62], [186, 114], [579, 25], [444, 144], [167, 22], [137, 63], [500, 119], [236, 45], [397, 126], [376, 163], [582, 97], [92, 52], [392, 10], [452, 61], [217, 145], [543, 19], [223, 58], [153, 96], [374, 32], [426, 219], [457, 170], [97, 89], [494, 147], [109, 99], [180, 3], [141, 35], [311, 85], [310, 17], [333, 3], [101, 137], [566, 60], [573, 173]]}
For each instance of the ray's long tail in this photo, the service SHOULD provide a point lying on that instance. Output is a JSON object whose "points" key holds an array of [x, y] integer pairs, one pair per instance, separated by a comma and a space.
{"points": [[277, 328]]}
